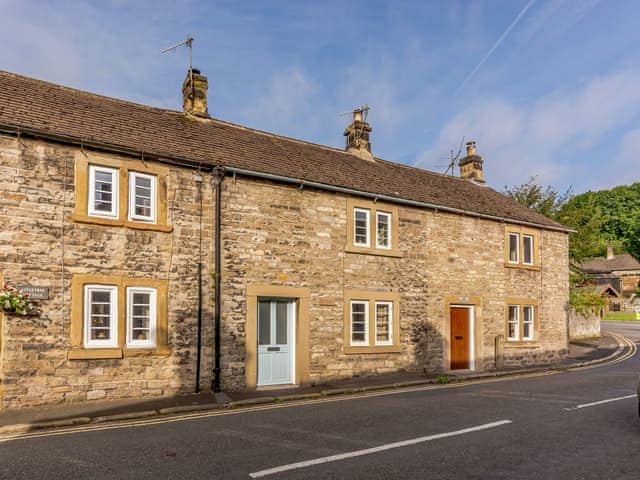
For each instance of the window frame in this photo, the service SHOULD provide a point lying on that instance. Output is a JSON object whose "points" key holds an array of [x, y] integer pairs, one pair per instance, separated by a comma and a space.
{"points": [[132, 216], [530, 322], [151, 342], [521, 306], [517, 250], [389, 323], [367, 213], [359, 343], [516, 322], [370, 299], [389, 231], [80, 349], [374, 210], [111, 342], [85, 192], [115, 192], [524, 236]]}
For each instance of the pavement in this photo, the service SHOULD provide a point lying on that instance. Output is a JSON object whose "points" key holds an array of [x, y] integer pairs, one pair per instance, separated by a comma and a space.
{"points": [[606, 349]]}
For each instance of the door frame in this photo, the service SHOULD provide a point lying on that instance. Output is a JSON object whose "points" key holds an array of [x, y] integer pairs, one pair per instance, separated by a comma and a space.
{"points": [[292, 342], [302, 297], [472, 339]]}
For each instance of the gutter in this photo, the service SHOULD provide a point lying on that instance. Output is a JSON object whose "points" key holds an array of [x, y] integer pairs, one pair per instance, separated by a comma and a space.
{"points": [[185, 162]]}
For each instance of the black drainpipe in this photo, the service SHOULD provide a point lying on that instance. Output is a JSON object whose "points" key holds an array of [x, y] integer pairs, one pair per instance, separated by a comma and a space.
{"points": [[218, 176], [199, 343]]}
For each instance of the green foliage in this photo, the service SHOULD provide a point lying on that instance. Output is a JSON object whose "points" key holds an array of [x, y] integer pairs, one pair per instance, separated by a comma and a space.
{"points": [[602, 218], [544, 200], [606, 217], [443, 379], [12, 301], [586, 300]]}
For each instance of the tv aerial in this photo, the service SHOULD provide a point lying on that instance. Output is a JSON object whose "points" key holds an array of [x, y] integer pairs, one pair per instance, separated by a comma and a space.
{"points": [[453, 159], [188, 42]]}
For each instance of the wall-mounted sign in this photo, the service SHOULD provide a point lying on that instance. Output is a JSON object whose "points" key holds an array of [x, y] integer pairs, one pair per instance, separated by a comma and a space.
{"points": [[35, 293]]}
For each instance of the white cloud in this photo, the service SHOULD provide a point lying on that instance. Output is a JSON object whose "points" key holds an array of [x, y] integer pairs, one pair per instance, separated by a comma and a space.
{"points": [[540, 138], [287, 98]]}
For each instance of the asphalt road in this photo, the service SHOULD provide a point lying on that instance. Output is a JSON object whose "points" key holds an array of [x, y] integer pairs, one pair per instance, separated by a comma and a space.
{"points": [[543, 427]]}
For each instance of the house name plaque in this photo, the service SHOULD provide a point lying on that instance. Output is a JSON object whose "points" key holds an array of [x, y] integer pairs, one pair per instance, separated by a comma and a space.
{"points": [[35, 293]]}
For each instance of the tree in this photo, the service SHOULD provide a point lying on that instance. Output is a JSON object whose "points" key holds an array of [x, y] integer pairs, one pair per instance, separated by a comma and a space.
{"points": [[543, 199]]}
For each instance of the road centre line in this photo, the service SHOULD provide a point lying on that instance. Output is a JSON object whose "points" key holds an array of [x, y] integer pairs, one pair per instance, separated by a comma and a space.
{"points": [[601, 402], [378, 449]]}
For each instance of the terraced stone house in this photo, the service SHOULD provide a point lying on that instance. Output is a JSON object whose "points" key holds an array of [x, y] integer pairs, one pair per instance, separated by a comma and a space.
{"points": [[168, 251]]}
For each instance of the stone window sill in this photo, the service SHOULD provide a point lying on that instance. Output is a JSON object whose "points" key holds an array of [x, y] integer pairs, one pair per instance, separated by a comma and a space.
{"points": [[115, 353], [373, 251], [373, 349], [120, 223], [521, 344], [520, 266]]}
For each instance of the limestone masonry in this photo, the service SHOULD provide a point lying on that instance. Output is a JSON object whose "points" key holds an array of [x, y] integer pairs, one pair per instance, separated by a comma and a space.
{"points": [[315, 283]]}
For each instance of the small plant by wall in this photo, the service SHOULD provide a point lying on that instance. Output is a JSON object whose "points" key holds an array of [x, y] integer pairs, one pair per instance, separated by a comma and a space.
{"points": [[13, 301]]}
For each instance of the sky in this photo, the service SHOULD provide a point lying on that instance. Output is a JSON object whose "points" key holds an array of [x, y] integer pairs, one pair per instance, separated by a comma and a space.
{"points": [[547, 88]]}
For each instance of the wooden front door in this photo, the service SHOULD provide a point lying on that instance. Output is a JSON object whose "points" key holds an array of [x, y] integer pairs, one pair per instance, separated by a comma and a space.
{"points": [[460, 338]]}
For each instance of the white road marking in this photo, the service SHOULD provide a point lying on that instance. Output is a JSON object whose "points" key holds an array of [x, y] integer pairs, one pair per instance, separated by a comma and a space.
{"points": [[602, 402], [381, 448]]}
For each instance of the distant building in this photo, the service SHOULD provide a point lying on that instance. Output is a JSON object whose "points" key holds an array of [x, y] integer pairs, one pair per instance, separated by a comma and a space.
{"points": [[616, 276]]}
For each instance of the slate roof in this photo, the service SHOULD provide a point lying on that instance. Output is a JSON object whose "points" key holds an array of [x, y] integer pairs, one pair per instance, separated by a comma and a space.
{"points": [[604, 265], [46, 109]]}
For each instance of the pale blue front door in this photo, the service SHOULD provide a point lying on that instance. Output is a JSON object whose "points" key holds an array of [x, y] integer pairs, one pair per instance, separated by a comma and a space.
{"points": [[276, 341]]}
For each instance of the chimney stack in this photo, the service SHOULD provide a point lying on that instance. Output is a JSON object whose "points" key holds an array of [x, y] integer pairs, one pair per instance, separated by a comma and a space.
{"points": [[471, 165], [357, 133], [194, 94], [610, 255]]}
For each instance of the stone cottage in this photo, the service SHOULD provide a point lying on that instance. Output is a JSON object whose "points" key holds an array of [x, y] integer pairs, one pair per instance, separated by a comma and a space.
{"points": [[168, 252], [616, 276]]}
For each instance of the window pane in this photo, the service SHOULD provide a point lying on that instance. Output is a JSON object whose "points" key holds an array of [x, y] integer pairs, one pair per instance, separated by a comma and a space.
{"points": [[140, 315], [514, 239], [143, 182], [513, 322], [358, 322], [383, 229], [264, 323], [527, 326], [100, 315], [383, 322], [142, 193], [361, 219], [281, 323], [527, 254]]}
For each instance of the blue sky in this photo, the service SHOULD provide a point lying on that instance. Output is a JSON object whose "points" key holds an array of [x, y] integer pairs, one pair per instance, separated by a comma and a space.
{"points": [[549, 88]]}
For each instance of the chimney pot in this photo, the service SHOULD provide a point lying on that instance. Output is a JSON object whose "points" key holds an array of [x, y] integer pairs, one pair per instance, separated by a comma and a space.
{"points": [[471, 148]]}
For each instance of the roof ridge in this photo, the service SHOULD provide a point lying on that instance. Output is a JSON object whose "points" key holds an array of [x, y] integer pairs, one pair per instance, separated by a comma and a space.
{"points": [[228, 123]]}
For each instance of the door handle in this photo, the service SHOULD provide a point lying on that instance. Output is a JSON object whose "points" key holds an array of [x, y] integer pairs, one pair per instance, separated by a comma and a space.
{"points": [[459, 337], [273, 349]]}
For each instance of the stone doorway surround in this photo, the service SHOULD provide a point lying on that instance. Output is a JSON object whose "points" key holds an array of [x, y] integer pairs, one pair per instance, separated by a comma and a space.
{"points": [[475, 303], [302, 297]]}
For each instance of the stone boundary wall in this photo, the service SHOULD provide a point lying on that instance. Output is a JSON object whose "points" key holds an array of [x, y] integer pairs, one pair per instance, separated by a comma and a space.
{"points": [[583, 326]]}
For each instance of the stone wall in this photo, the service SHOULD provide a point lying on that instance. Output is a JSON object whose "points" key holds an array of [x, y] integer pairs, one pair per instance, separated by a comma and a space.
{"points": [[282, 235], [41, 246], [273, 235], [583, 326]]}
